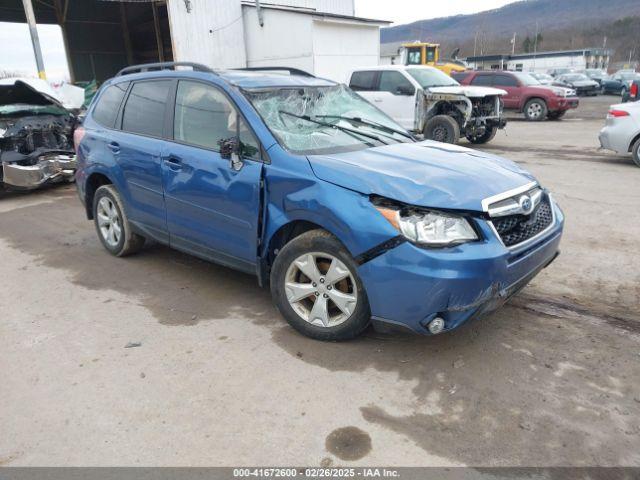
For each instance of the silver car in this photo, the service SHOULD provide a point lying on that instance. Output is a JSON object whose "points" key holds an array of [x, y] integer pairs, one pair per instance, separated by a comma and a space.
{"points": [[621, 132]]}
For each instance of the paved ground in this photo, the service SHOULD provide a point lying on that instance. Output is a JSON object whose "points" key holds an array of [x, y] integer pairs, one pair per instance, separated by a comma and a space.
{"points": [[219, 379]]}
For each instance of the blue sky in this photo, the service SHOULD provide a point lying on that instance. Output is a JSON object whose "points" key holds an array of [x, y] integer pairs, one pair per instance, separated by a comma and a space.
{"points": [[16, 53]]}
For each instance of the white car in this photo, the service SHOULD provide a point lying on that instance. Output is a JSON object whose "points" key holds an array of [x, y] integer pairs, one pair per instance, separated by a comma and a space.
{"points": [[427, 101], [621, 132]]}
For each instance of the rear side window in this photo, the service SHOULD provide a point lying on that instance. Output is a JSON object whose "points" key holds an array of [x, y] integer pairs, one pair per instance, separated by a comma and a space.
{"points": [[363, 81], [505, 81], [482, 80], [106, 110], [145, 107], [204, 116]]}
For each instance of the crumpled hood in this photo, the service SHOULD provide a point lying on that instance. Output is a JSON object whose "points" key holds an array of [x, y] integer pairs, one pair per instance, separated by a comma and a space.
{"points": [[428, 174], [34, 91], [468, 91]]}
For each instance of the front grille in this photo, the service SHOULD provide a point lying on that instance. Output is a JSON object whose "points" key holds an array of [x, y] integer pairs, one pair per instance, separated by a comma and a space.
{"points": [[515, 229]]}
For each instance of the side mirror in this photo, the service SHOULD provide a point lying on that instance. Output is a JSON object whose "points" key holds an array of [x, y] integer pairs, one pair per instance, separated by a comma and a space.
{"points": [[405, 90], [230, 150]]}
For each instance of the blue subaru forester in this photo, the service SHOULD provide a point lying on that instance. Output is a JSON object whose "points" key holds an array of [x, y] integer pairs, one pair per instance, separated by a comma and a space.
{"points": [[306, 185]]}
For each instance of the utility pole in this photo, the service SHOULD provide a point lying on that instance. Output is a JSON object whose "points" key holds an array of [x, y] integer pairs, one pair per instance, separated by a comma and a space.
{"points": [[33, 30], [513, 44]]}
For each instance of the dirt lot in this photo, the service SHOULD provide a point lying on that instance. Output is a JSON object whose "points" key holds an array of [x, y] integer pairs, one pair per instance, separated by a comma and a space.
{"points": [[220, 379]]}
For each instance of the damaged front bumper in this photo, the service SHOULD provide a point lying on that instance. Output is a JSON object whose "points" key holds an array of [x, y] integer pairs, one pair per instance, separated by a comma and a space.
{"points": [[409, 286], [30, 173]]}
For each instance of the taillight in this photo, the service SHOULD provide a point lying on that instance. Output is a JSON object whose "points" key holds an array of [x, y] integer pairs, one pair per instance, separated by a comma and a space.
{"points": [[618, 113], [78, 135], [634, 90]]}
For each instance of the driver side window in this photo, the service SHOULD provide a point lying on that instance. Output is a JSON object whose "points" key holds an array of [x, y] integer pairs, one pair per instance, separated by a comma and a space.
{"points": [[204, 117]]}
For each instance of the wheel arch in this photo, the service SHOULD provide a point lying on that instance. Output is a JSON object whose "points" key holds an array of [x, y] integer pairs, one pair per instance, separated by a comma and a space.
{"points": [[94, 181], [633, 141]]}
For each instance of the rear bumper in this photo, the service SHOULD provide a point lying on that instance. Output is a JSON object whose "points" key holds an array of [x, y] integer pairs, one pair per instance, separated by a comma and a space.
{"points": [[409, 286], [615, 136]]}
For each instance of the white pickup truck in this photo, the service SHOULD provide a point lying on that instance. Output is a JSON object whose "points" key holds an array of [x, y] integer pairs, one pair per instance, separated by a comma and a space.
{"points": [[427, 101]]}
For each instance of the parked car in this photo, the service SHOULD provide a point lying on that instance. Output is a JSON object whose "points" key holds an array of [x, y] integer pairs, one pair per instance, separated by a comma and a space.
{"points": [[429, 102], [634, 92], [525, 94], [560, 71], [579, 82], [36, 133], [303, 183], [619, 83], [621, 132], [595, 74], [543, 78]]}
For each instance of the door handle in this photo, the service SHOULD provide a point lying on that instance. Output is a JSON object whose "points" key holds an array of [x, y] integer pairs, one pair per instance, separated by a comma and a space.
{"points": [[114, 147], [173, 162], [377, 99]]}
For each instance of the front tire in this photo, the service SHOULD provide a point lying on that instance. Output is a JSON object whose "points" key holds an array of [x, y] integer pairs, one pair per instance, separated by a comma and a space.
{"points": [[535, 110], [486, 137], [112, 225], [635, 153], [442, 128], [316, 287]]}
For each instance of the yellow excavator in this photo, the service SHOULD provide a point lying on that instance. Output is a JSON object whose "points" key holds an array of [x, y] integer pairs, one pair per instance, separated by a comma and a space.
{"points": [[422, 53]]}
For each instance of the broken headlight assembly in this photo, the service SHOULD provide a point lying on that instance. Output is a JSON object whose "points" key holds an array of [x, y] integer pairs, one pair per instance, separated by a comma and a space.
{"points": [[431, 228]]}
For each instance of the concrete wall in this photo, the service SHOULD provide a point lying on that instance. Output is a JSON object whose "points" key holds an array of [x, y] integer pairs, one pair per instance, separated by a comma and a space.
{"points": [[285, 40], [339, 47], [212, 36]]}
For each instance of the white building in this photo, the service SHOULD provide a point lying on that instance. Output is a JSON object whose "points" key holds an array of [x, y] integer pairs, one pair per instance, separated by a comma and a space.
{"points": [[543, 61], [322, 37]]}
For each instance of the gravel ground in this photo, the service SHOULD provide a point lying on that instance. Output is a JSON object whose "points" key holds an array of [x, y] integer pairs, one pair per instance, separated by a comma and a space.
{"points": [[219, 379]]}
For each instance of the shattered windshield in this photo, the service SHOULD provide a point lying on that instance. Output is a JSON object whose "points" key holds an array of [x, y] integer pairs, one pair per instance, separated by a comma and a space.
{"points": [[314, 120], [428, 77]]}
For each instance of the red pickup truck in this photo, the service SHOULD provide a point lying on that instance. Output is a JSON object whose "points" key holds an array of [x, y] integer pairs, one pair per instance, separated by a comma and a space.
{"points": [[525, 94]]}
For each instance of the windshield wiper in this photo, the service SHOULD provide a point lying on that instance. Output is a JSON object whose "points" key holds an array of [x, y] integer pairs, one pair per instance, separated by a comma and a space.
{"points": [[370, 123], [331, 125]]}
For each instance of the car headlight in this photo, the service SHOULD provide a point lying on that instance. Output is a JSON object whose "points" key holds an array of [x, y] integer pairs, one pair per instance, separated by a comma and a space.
{"points": [[429, 227]]}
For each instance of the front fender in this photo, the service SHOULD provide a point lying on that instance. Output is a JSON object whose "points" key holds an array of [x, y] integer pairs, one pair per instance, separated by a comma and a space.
{"points": [[293, 193]]}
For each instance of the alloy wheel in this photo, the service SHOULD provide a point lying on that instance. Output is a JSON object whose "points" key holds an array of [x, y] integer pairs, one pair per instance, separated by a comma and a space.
{"points": [[321, 289], [109, 222], [534, 110]]}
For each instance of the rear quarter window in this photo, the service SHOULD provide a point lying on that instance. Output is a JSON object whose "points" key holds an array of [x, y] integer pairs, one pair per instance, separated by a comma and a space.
{"points": [[363, 81], [145, 108], [106, 110]]}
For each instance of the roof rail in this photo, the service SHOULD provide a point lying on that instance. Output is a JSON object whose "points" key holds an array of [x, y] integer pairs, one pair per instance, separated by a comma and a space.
{"points": [[145, 67], [292, 71]]}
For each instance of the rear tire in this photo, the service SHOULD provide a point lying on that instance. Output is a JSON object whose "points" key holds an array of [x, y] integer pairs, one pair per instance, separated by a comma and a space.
{"points": [[635, 152], [442, 128], [112, 225], [486, 137], [535, 110], [306, 295]]}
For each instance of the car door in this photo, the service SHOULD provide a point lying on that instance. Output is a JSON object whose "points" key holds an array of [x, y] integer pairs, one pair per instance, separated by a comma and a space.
{"points": [[395, 95], [364, 82], [137, 148], [213, 203], [511, 85]]}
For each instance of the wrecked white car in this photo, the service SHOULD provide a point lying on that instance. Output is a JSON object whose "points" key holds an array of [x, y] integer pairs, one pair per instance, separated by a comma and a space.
{"points": [[36, 133], [429, 102]]}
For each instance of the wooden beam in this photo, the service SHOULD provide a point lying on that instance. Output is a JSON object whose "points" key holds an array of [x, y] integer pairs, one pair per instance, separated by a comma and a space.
{"points": [[125, 33], [156, 27]]}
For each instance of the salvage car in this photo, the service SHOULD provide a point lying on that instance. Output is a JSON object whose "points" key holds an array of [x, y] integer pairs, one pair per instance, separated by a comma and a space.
{"points": [[543, 78], [579, 82], [621, 132], [303, 183], [525, 94], [36, 134], [429, 102]]}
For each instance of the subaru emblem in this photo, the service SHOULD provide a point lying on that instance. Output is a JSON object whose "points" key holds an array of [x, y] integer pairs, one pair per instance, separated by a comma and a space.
{"points": [[526, 205]]}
